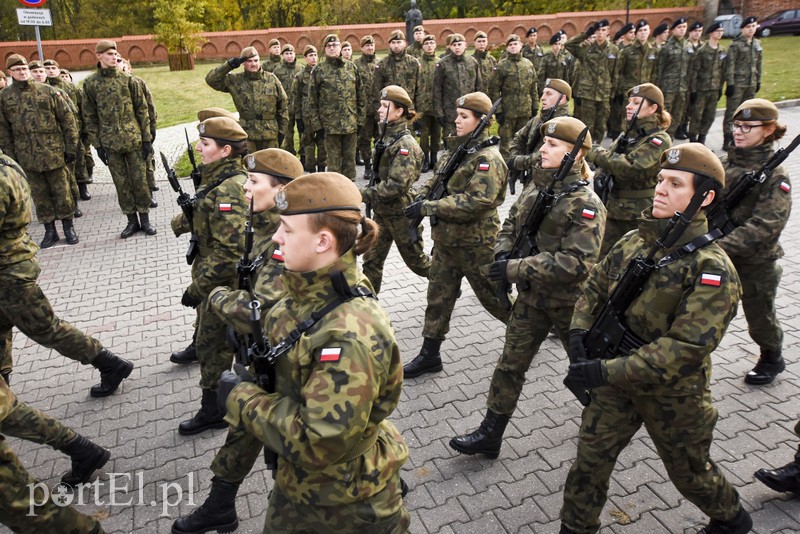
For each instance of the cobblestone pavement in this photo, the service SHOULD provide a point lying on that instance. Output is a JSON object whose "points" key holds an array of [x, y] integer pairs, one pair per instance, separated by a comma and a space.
{"points": [[127, 293]]}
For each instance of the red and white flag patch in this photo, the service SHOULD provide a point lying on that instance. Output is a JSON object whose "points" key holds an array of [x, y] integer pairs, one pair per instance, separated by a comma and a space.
{"points": [[483, 166], [330, 354], [277, 254], [588, 213], [786, 186], [656, 141], [709, 279], [404, 152], [224, 207]]}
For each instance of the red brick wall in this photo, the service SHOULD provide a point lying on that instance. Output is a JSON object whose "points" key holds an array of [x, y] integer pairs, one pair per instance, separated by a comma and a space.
{"points": [[762, 8]]}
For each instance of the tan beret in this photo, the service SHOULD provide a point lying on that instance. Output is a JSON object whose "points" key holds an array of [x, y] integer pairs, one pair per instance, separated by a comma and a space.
{"points": [[567, 129], [559, 85], [275, 162], [249, 52], [208, 113], [50, 63], [756, 109], [694, 158], [481, 35], [104, 45], [308, 49], [477, 102], [418, 29], [428, 37], [222, 129], [318, 192], [273, 42], [35, 65], [398, 95], [15, 59], [456, 38], [330, 38], [367, 39], [397, 35], [650, 92], [513, 37], [287, 48]]}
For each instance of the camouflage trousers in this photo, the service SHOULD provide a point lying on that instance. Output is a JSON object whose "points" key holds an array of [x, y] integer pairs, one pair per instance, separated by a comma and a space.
{"points": [[430, 134], [594, 114], [288, 137], [88, 164], [22, 304], [52, 194], [740, 94], [759, 287], [341, 153], [213, 352], [703, 112], [384, 513], [510, 126], [237, 456], [254, 145], [394, 229], [526, 331], [615, 229], [616, 115], [448, 266], [681, 429], [28, 423], [129, 171], [448, 129], [15, 502], [366, 135], [73, 182], [675, 103], [150, 171], [314, 151]]}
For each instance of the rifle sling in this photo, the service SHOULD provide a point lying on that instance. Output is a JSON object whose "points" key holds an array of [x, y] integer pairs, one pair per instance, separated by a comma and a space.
{"points": [[200, 195], [691, 247], [556, 198]]}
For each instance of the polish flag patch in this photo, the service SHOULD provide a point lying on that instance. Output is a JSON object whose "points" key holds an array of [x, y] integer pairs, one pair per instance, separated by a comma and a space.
{"points": [[277, 255], [786, 187], [708, 279], [330, 354], [588, 213], [224, 207], [404, 152], [483, 166], [656, 141]]}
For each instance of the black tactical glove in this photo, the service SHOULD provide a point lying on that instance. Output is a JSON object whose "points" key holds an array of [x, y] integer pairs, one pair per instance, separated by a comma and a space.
{"points": [[693, 97], [413, 211], [501, 118], [591, 29], [101, 153], [576, 348], [189, 301], [236, 62], [69, 158], [758, 86], [319, 135], [729, 91], [500, 256], [301, 126], [228, 381], [442, 121], [147, 147], [498, 270], [281, 137], [587, 373]]}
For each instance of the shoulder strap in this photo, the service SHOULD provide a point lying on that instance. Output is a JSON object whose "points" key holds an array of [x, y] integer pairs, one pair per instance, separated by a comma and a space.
{"points": [[691, 247], [200, 195]]}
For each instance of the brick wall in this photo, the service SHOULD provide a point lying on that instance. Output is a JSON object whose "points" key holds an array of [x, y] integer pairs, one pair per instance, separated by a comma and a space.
{"points": [[762, 8]]}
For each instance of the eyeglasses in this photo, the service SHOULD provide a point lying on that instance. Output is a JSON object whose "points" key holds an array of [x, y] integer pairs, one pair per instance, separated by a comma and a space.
{"points": [[18, 69], [333, 45], [745, 128]]}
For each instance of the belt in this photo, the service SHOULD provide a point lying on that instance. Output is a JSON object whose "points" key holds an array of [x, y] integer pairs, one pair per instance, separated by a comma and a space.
{"points": [[362, 447]]}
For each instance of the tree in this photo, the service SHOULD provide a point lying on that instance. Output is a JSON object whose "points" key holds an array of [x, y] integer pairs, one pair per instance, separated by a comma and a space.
{"points": [[178, 28]]}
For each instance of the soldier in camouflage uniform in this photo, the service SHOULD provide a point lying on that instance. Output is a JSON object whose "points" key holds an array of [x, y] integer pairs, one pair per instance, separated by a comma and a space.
{"points": [[285, 72], [681, 313], [339, 458], [415, 49], [636, 169], [84, 164], [671, 75], [532, 51], [635, 66], [399, 168], [220, 213], [336, 101], [616, 115], [3, 80], [347, 51], [514, 81], [22, 303], [274, 58], [486, 61], [456, 74], [569, 243], [465, 233], [118, 125], [429, 129], [398, 68], [759, 219], [742, 74], [258, 96], [660, 35], [706, 79], [38, 129], [786, 478], [366, 67], [312, 150], [554, 65], [598, 69]]}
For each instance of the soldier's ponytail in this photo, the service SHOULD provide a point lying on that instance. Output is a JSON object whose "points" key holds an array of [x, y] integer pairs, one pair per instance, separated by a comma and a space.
{"points": [[344, 226], [664, 119]]}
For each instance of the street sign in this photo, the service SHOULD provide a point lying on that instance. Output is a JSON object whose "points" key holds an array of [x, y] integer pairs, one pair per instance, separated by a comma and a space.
{"points": [[33, 3], [34, 17]]}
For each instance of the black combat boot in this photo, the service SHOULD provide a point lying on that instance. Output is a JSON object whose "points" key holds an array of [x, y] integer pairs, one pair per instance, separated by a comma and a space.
{"points": [[701, 138], [87, 457], [681, 132], [187, 355], [50, 235], [209, 416], [427, 361], [84, 192], [132, 227], [113, 370], [367, 169], [77, 213], [320, 168], [566, 530], [144, 224], [770, 364], [741, 524], [153, 187], [727, 142], [783, 479], [359, 159], [692, 138], [69, 232], [218, 512], [433, 159], [426, 163], [6, 375], [486, 440], [153, 203]]}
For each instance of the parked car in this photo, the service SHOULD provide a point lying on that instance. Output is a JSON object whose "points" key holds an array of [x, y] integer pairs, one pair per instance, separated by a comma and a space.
{"points": [[730, 25], [786, 21]]}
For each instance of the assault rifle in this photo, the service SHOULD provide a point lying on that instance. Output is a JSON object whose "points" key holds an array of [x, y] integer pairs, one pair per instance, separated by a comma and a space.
{"points": [[244, 268], [380, 148], [525, 176], [603, 180], [195, 174], [719, 214], [439, 187], [186, 205], [525, 243]]}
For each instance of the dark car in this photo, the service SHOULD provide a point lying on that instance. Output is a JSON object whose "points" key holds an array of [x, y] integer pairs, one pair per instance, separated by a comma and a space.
{"points": [[787, 21]]}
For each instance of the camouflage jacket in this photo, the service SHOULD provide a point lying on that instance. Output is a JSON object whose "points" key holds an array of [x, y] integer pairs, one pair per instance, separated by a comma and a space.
{"points": [[552, 66], [636, 65], [467, 215], [115, 111], [533, 54], [415, 50], [285, 72], [37, 126], [707, 71], [635, 172], [424, 103], [487, 64], [300, 108], [395, 69], [763, 213], [598, 68], [15, 215], [569, 241], [671, 74], [366, 65], [68, 90], [514, 79], [521, 145], [334, 390], [259, 98], [744, 63], [682, 312], [151, 105], [400, 167], [453, 77], [336, 97], [272, 63], [7, 400]]}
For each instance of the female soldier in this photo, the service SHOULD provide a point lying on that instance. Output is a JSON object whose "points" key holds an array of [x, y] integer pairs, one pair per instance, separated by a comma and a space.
{"points": [[634, 171], [465, 235], [220, 213], [760, 218], [569, 240], [339, 458], [399, 168]]}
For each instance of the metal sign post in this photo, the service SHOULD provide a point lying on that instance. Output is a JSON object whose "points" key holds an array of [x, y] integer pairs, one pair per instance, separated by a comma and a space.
{"points": [[35, 18]]}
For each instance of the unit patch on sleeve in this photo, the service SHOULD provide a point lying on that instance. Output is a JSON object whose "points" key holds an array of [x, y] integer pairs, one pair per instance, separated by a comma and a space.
{"points": [[709, 279], [330, 354]]}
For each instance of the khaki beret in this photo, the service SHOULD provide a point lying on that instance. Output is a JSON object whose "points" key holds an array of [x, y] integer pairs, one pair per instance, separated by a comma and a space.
{"points": [[330, 38], [756, 109], [694, 158], [455, 38], [308, 49], [567, 129], [559, 85], [480, 34], [273, 42], [477, 102], [650, 92], [15, 59], [275, 162], [397, 35], [104, 45], [367, 39], [50, 63], [418, 29], [35, 65], [318, 192], [347, 44], [513, 38], [222, 129], [287, 48], [398, 95], [249, 52], [208, 113], [428, 37]]}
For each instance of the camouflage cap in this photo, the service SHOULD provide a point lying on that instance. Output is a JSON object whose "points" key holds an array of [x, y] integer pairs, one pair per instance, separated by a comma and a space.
{"points": [[287, 48], [556, 37], [249, 52], [208, 113], [678, 22], [566, 129], [309, 49], [456, 38], [481, 35], [50, 63], [694, 158], [330, 38], [418, 29], [531, 31], [512, 38], [661, 28], [756, 109], [477, 102], [318, 192], [35, 65], [748, 20], [428, 37], [222, 129], [397, 35], [398, 95], [559, 85], [650, 92], [104, 45], [15, 59], [696, 25], [367, 39], [275, 162], [273, 42]]}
